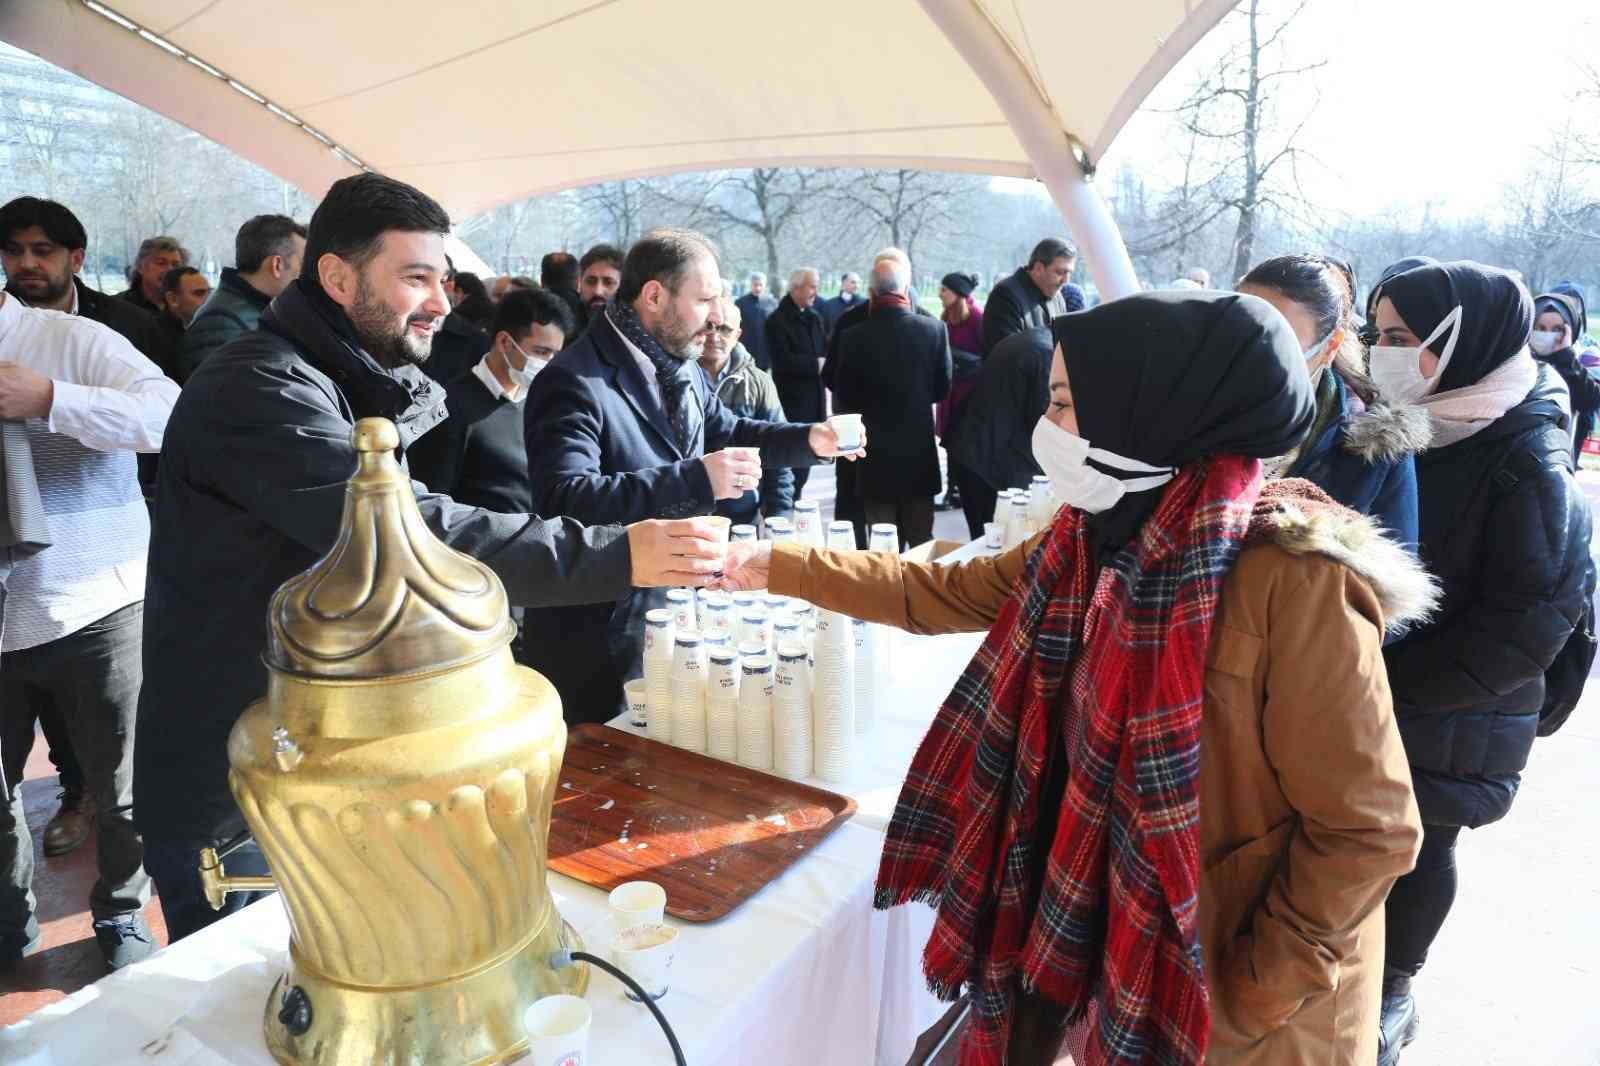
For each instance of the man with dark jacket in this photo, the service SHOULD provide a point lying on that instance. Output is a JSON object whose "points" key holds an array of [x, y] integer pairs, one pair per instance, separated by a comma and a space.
{"points": [[1032, 295], [748, 392], [183, 292], [991, 442], [42, 248], [599, 274], [754, 307], [834, 306], [460, 342], [477, 456], [558, 274], [892, 369], [267, 253], [157, 255], [797, 341], [253, 476], [623, 426]]}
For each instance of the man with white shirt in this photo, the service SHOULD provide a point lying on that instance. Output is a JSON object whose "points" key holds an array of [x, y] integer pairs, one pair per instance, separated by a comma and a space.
{"points": [[476, 456], [71, 620]]}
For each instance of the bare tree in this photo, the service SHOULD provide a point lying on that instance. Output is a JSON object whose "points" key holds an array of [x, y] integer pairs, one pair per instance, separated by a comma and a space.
{"points": [[904, 204], [621, 205], [764, 202]]}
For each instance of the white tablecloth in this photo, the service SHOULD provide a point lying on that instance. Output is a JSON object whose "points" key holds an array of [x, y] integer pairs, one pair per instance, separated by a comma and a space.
{"points": [[804, 973]]}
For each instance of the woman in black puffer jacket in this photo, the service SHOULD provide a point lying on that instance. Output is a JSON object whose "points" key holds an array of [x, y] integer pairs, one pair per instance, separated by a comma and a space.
{"points": [[1505, 527]]}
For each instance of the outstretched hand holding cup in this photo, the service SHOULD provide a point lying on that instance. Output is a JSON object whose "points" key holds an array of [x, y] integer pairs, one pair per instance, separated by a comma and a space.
{"points": [[685, 551], [842, 436]]}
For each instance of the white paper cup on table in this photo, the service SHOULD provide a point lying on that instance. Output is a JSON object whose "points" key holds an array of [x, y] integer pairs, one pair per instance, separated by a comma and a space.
{"points": [[884, 537], [637, 692], [636, 903], [644, 953], [558, 1031], [808, 524], [715, 610], [681, 603], [841, 536], [833, 697], [867, 672], [755, 712], [993, 535], [689, 692], [848, 429], [722, 705], [791, 712], [657, 663], [742, 531], [779, 528]]}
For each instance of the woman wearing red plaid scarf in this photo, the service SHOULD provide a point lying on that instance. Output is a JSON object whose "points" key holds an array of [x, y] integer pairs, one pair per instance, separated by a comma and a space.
{"points": [[1162, 807]]}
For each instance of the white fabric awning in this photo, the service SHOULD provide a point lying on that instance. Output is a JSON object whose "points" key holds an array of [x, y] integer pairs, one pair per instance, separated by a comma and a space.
{"points": [[480, 102]]}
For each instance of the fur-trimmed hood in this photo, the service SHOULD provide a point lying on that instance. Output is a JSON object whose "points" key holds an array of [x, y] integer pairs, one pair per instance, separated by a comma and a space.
{"points": [[1300, 518], [1386, 433]]}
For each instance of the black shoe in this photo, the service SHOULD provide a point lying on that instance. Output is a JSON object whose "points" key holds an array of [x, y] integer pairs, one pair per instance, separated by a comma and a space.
{"points": [[1397, 1027], [124, 939]]}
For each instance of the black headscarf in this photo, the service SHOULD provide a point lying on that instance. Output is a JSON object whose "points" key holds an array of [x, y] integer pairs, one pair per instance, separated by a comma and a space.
{"points": [[1563, 305], [1496, 315], [1169, 377], [1399, 266], [1571, 289], [960, 284]]}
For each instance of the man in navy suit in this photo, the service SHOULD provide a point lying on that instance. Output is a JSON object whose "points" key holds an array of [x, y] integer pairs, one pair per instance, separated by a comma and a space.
{"points": [[623, 423]]}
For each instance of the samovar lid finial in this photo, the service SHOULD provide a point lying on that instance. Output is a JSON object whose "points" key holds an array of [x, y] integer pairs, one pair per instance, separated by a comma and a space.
{"points": [[389, 599]]}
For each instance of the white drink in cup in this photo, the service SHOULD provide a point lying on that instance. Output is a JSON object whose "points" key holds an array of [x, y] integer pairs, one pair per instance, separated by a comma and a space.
{"points": [[848, 429], [644, 953], [637, 903], [638, 693], [558, 1031]]}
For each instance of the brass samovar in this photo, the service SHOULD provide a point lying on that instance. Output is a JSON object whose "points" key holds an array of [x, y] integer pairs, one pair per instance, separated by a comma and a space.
{"points": [[399, 777]]}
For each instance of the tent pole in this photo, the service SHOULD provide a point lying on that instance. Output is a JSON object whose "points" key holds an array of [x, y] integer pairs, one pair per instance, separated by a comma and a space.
{"points": [[1039, 130]]}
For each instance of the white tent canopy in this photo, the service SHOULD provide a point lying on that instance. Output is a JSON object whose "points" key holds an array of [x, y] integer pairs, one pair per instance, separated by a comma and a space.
{"points": [[480, 102]]}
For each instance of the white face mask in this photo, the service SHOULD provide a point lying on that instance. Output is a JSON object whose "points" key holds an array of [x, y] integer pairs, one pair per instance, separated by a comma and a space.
{"points": [[523, 378], [1064, 457], [1398, 371], [1544, 341]]}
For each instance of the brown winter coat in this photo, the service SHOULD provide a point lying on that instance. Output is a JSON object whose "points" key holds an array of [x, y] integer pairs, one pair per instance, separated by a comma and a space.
{"points": [[1306, 810]]}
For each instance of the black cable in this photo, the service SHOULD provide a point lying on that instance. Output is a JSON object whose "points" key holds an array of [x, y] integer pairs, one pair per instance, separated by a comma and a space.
{"points": [[672, 1038]]}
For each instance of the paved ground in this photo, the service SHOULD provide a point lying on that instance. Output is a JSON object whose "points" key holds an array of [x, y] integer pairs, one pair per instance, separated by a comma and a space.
{"points": [[1514, 979]]}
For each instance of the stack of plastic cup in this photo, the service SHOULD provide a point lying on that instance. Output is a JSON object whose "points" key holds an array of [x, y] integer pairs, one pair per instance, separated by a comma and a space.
{"points": [[841, 536], [791, 712], [689, 691], [755, 712], [720, 638], [1043, 510], [1017, 520], [787, 627], [743, 601], [774, 603], [833, 697], [742, 532], [867, 674], [779, 528], [884, 537], [658, 651], [716, 612], [681, 603], [722, 705], [808, 524]]}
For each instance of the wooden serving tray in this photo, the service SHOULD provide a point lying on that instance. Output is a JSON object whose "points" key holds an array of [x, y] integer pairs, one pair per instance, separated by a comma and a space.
{"points": [[711, 833]]}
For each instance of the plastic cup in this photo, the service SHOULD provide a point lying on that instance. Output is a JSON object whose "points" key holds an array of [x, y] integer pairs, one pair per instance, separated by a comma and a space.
{"points": [[637, 903], [849, 431], [558, 1031], [993, 535], [638, 693], [724, 527], [644, 952], [743, 532]]}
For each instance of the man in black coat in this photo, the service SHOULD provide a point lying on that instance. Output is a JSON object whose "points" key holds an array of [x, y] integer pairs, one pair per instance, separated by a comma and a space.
{"points": [[459, 343], [622, 426], [558, 274], [599, 274], [1032, 295], [254, 467], [477, 456], [834, 307], [157, 255], [755, 307], [892, 369], [990, 441], [797, 341]]}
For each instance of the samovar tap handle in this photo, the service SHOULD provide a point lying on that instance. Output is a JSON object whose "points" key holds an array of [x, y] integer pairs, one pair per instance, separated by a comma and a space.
{"points": [[216, 883]]}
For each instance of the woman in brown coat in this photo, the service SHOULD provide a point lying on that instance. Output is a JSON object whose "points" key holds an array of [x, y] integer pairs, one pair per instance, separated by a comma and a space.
{"points": [[1210, 887]]}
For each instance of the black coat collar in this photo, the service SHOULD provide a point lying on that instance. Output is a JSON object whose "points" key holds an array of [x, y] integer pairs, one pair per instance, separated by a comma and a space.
{"points": [[624, 374], [323, 334]]}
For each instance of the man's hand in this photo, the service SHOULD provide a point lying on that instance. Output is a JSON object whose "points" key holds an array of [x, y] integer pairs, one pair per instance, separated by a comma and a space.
{"points": [[824, 442], [686, 551], [748, 566], [733, 472], [24, 393]]}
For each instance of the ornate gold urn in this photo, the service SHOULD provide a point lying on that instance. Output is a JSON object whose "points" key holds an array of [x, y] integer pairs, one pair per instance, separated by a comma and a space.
{"points": [[399, 777]]}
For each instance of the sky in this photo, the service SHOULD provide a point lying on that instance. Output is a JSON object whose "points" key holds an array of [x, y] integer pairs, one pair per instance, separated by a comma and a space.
{"points": [[1423, 102]]}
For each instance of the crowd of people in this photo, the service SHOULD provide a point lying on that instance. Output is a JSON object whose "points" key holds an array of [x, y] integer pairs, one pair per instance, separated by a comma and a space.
{"points": [[1321, 576]]}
